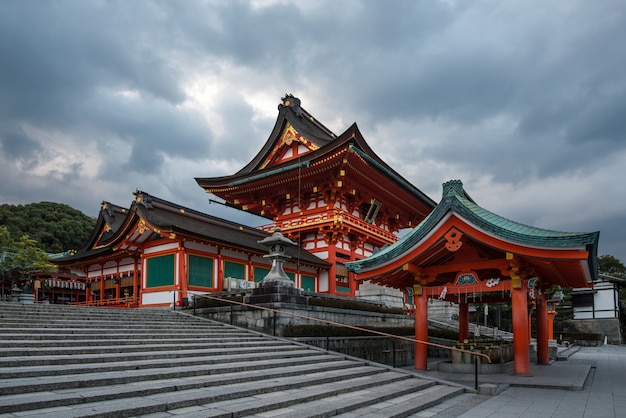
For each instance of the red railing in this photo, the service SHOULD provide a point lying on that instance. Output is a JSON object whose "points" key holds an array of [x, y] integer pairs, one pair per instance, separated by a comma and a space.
{"points": [[126, 302], [323, 217]]}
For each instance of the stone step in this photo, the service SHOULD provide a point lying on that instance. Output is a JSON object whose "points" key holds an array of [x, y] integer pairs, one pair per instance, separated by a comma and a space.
{"points": [[229, 373], [106, 331], [103, 362], [47, 347], [244, 398], [401, 406], [63, 397], [96, 366], [97, 324], [318, 401], [16, 310], [47, 334], [124, 340], [76, 355]]}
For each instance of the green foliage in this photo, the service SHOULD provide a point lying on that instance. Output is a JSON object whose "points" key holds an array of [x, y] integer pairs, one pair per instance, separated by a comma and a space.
{"points": [[610, 265], [55, 227], [20, 259]]}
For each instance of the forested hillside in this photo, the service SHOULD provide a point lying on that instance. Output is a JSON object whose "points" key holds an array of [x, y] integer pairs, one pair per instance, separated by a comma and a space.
{"points": [[54, 226]]}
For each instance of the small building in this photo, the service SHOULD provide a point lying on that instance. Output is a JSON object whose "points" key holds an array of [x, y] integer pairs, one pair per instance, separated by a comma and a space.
{"points": [[601, 301], [597, 310]]}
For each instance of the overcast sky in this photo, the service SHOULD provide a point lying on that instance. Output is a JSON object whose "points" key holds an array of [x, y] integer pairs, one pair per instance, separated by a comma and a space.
{"points": [[524, 101]]}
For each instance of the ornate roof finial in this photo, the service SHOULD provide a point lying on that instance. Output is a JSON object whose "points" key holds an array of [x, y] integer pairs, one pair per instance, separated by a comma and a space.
{"points": [[289, 100], [143, 199], [453, 188]]}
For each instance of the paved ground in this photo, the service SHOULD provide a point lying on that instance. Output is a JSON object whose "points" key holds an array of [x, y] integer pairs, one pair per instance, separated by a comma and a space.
{"points": [[591, 384]]}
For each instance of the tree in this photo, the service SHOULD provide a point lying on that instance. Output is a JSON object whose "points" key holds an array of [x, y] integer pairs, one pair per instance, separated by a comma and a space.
{"points": [[610, 265], [55, 227], [20, 260]]}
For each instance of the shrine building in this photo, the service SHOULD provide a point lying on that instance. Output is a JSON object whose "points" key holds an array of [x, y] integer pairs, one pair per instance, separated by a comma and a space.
{"points": [[329, 193], [157, 253], [464, 254], [343, 206]]}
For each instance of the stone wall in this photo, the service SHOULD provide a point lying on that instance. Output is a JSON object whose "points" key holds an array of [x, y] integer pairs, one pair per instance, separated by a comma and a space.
{"points": [[274, 323], [375, 348], [606, 327]]}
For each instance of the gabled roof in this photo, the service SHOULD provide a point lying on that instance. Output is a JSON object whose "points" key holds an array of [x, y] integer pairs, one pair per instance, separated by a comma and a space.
{"points": [[612, 279], [348, 148], [150, 217], [555, 253], [291, 113], [109, 220]]}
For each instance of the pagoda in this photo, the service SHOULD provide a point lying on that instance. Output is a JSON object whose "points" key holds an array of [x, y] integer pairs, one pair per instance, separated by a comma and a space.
{"points": [[329, 193]]}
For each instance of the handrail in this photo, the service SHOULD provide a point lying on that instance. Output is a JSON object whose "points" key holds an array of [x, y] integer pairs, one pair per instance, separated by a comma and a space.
{"points": [[123, 301], [347, 326]]}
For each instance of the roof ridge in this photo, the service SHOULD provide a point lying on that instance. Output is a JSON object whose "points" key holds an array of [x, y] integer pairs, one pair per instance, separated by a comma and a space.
{"points": [[147, 200]]}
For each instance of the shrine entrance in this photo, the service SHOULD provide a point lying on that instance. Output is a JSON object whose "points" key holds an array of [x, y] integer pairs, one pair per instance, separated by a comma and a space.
{"points": [[462, 252], [468, 289]]}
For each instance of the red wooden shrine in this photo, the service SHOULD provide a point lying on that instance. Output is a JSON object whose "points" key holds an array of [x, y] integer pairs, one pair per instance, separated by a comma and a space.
{"points": [[331, 194]]}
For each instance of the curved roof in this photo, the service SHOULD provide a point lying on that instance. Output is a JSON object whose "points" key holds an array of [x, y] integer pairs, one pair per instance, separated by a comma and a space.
{"points": [[494, 232], [325, 150], [171, 220]]}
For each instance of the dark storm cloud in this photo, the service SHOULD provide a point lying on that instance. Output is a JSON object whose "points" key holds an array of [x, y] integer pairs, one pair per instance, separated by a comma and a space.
{"points": [[17, 145], [107, 96]]}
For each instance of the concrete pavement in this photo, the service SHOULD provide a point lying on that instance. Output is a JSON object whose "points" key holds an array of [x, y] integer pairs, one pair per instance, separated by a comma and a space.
{"points": [[591, 384]]}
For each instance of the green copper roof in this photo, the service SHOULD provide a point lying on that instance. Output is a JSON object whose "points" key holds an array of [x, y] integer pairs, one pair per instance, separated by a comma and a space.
{"points": [[456, 200]]}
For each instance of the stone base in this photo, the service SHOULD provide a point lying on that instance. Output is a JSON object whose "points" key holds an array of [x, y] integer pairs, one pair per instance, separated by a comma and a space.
{"points": [[491, 389], [276, 294], [483, 368], [26, 298]]}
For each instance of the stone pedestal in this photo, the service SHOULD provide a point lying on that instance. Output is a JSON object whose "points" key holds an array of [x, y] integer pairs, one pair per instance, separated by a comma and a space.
{"points": [[26, 298], [276, 294]]}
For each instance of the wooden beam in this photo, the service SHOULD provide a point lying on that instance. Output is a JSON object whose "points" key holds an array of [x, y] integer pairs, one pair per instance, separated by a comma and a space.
{"points": [[497, 264]]}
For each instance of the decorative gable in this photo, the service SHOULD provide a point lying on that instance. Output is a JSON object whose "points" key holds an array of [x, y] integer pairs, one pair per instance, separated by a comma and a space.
{"points": [[289, 146]]}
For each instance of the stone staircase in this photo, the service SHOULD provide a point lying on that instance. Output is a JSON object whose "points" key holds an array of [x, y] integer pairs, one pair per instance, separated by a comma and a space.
{"points": [[71, 361]]}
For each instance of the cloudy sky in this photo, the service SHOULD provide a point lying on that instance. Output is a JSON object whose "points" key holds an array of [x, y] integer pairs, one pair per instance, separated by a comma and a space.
{"points": [[524, 101]]}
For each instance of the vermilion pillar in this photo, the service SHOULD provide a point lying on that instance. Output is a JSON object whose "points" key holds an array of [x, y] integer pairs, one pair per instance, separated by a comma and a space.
{"points": [[543, 354], [463, 321], [183, 279], [521, 334], [551, 314], [332, 272], [135, 281], [421, 331]]}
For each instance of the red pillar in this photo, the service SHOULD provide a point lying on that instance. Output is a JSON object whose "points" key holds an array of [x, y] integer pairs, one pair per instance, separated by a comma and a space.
{"points": [[135, 293], [521, 334], [332, 272], [463, 321], [543, 355], [101, 283], [421, 331], [551, 315], [183, 282]]}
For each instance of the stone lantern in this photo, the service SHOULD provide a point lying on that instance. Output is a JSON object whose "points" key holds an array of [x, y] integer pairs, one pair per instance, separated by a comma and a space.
{"points": [[277, 276], [276, 287], [15, 293]]}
